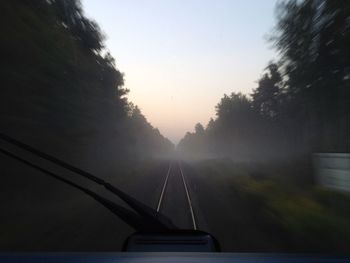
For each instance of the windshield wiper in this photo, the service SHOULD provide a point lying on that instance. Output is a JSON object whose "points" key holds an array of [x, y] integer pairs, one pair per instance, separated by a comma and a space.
{"points": [[145, 219]]}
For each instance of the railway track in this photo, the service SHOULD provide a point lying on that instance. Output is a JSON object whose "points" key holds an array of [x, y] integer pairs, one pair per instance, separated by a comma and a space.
{"points": [[176, 179]]}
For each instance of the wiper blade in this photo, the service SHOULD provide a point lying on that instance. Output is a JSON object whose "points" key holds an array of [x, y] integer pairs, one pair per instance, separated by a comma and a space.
{"points": [[125, 214], [146, 218]]}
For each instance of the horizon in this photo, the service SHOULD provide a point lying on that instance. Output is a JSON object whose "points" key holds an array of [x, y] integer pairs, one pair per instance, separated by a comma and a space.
{"points": [[192, 54]]}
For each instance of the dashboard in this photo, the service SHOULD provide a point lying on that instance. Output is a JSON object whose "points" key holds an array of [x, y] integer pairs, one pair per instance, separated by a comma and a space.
{"points": [[168, 257]]}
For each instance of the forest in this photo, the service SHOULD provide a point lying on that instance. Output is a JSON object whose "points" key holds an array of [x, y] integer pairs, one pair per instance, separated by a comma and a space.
{"points": [[62, 91], [301, 104]]}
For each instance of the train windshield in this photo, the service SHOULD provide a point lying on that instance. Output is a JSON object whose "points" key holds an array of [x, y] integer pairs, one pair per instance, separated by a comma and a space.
{"points": [[224, 117]]}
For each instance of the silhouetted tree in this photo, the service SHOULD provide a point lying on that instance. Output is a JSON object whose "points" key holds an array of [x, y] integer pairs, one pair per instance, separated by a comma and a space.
{"points": [[199, 129], [267, 95]]}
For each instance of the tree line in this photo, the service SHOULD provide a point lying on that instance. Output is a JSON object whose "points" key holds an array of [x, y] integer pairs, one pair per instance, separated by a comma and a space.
{"points": [[61, 90], [301, 104]]}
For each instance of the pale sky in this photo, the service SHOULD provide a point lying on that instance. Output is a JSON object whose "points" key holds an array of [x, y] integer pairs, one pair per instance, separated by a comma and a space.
{"points": [[180, 57]]}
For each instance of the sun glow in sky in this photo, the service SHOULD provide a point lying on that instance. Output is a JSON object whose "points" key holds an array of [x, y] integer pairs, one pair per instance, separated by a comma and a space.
{"points": [[179, 57]]}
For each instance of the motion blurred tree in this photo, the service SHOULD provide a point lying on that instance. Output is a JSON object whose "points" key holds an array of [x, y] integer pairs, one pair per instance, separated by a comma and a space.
{"points": [[84, 30], [313, 38], [60, 87], [302, 102]]}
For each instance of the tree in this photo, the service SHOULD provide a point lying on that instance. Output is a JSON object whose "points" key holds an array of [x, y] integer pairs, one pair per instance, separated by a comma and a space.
{"points": [[199, 129], [312, 38], [302, 102], [84, 30], [266, 96], [62, 89]]}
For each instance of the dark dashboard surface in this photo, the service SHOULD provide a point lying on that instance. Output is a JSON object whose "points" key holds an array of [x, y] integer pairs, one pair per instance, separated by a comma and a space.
{"points": [[169, 257]]}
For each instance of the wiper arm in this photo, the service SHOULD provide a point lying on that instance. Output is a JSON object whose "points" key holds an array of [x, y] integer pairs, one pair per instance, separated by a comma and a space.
{"points": [[126, 215], [145, 217]]}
